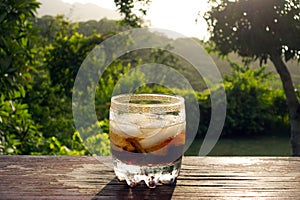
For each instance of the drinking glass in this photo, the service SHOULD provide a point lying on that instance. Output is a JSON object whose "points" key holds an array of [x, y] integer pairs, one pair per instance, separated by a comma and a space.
{"points": [[147, 137]]}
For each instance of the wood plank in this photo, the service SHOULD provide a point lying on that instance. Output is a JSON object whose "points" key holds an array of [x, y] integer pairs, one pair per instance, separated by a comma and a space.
{"points": [[58, 177]]}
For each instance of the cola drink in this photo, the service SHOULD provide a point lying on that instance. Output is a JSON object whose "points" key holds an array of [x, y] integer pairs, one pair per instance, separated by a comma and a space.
{"points": [[147, 137], [154, 145]]}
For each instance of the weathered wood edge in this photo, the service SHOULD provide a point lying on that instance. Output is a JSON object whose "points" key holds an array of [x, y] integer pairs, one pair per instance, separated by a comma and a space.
{"points": [[67, 177]]}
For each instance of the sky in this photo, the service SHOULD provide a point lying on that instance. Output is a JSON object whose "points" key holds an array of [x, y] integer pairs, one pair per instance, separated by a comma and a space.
{"points": [[174, 15]]}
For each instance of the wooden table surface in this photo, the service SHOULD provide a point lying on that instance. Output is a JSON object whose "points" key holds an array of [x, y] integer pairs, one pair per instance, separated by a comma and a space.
{"points": [[59, 177]]}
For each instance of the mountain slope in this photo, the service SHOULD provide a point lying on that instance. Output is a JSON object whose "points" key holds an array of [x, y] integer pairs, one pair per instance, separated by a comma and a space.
{"points": [[77, 11]]}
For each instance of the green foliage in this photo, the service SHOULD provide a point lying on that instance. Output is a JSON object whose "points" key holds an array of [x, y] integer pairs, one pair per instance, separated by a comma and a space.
{"points": [[106, 87], [256, 28], [18, 132], [97, 142], [105, 26], [65, 54], [16, 48], [133, 11], [53, 146], [261, 30], [253, 106], [63, 57], [36, 111], [38, 67], [250, 103]]}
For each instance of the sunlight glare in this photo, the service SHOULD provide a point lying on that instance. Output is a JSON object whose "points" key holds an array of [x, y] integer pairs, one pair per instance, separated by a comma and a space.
{"points": [[184, 17], [108, 4]]}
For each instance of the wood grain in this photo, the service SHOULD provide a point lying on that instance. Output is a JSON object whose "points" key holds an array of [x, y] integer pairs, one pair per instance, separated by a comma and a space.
{"points": [[57, 177]]}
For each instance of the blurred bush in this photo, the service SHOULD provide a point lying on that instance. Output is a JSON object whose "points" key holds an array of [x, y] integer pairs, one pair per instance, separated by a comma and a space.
{"points": [[254, 106]]}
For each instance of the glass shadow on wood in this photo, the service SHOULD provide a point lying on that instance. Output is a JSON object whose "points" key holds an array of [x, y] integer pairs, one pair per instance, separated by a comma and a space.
{"points": [[116, 189]]}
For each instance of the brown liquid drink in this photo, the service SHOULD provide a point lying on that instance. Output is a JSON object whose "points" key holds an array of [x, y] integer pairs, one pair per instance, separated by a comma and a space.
{"points": [[140, 151], [147, 134]]}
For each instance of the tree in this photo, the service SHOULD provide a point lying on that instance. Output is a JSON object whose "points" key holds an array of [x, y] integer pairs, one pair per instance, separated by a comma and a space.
{"points": [[66, 53], [18, 132], [133, 11], [262, 30], [63, 50]]}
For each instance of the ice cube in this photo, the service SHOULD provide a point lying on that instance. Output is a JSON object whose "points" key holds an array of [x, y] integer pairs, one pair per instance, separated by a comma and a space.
{"points": [[150, 121], [171, 120], [126, 118], [129, 129], [162, 135], [149, 132], [125, 124], [115, 129], [133, 118], [151, 126]]}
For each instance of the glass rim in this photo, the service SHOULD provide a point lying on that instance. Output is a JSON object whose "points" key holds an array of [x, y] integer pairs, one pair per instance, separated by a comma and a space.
{"points": [[170, 103]]}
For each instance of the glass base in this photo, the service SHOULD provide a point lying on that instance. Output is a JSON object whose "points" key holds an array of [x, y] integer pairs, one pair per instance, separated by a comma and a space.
{"points": [[151, 175]]}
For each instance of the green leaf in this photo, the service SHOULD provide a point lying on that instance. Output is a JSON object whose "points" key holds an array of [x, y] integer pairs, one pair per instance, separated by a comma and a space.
{"points": [[17, 94], [2, 16], [22, 91]]}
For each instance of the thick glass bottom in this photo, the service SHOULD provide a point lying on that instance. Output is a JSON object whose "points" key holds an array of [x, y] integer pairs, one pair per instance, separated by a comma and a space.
{"points": [[150, 175]]}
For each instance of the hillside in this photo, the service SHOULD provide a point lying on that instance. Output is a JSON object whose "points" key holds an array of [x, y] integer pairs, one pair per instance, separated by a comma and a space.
{"points": [[293, 67], [77, 11]]}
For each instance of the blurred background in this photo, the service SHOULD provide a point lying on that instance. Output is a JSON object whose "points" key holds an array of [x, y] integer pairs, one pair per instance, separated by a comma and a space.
{"points": [[43, 44]]}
